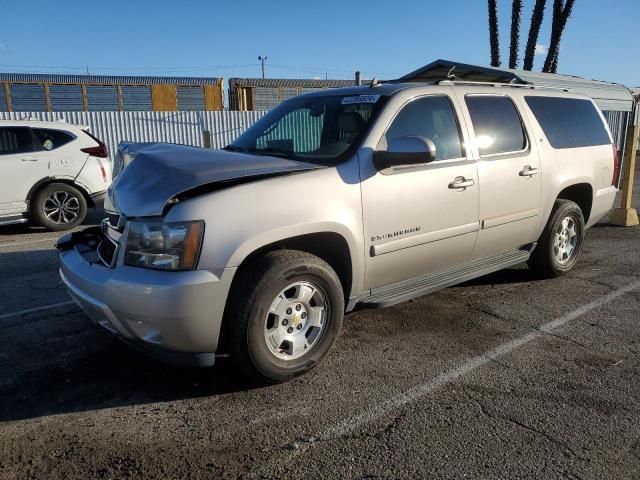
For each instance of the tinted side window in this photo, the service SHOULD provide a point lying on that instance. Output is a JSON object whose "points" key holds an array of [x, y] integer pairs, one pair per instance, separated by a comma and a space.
{"points": [[433, 118], [15, 140], [569, 122], [46, 139], [496, 123]]}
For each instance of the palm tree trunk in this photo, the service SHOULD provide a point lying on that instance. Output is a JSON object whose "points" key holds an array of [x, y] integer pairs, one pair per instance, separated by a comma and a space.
{"points": [[516, 11], [493, 33], [534, 31], [561, 13]]}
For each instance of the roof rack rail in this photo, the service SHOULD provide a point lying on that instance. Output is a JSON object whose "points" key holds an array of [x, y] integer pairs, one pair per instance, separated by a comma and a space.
{"points": [[502, 84]]}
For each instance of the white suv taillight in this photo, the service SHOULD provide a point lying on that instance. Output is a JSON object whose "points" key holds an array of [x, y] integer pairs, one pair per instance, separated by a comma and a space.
{"points": [[99, 151]]}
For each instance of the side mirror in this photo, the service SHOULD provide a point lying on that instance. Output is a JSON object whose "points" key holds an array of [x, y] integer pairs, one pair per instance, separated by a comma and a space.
{"points": [[405, 151]]}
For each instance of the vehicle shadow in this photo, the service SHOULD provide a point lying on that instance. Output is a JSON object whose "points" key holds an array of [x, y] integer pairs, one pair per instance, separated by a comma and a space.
{"points": [[93, 218], [103, 373], [517, 274], [57, 361]]}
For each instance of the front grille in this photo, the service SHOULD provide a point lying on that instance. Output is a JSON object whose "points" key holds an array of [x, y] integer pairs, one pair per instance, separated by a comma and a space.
{"points": [[107, 251]]}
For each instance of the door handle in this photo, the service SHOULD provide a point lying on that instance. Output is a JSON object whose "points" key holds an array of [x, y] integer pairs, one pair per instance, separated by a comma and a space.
{"points": [[528, 171], [30, 159], [461, 183]]}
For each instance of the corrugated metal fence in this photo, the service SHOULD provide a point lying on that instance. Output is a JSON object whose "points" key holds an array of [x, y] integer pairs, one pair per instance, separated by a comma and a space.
{"points": [[618, 122], [188, 127], [175, 127]]}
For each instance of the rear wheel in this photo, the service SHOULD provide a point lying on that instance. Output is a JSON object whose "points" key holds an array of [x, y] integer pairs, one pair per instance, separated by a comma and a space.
{"points": [[284, 314], [561, 241], [59, 206]]}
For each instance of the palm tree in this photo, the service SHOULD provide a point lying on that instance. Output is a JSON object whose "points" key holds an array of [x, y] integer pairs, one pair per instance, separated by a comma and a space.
{"points": [[494, 41], [516, 11], [534, 31], [561, 13]]}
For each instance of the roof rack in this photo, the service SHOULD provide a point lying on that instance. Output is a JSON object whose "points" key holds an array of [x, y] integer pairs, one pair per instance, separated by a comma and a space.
{"points": [[501, 84]]}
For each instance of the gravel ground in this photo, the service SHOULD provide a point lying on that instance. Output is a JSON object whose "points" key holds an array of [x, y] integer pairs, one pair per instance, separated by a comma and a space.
{"points": [[507, 376]]}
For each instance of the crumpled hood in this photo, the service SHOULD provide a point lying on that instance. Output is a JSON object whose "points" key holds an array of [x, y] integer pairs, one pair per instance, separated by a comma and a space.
{"points": [[160, 171]]}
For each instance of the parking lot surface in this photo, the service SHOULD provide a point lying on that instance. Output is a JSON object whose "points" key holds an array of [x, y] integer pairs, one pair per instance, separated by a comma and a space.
{"points": [[508, 376]]}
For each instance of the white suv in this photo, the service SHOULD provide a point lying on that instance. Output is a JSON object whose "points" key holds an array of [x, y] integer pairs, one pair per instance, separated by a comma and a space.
{"points": [[50, 172]]}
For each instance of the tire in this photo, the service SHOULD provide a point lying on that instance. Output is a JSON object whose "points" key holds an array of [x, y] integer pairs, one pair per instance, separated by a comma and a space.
{"points": [[263, 330], [558, 249], [45, 207]]}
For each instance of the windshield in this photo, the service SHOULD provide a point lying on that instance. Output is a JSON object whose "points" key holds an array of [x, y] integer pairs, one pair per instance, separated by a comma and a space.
{"points": [[319, 130]]}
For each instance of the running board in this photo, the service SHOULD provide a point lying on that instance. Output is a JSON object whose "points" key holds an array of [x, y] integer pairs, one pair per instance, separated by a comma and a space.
{"points": [[13, 219], [416, 287]]}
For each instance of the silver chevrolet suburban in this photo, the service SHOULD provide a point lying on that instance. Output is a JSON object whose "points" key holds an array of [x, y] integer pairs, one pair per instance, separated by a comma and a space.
{"points": [[335, 200]]}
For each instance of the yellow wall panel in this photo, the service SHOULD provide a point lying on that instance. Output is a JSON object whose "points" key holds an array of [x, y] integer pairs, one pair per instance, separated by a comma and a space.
{"points": [[164, 98]]}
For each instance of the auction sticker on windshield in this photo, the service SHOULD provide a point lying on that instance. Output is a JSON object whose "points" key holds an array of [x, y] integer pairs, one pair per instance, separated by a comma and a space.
{"points": [[360, 99]]}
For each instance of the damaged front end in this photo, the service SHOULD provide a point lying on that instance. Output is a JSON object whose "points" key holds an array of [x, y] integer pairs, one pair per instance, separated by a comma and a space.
{"points": [[154, 176]]}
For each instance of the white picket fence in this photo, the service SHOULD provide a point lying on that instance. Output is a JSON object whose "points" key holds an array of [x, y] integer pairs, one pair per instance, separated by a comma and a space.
{"points": [[186, 128]]}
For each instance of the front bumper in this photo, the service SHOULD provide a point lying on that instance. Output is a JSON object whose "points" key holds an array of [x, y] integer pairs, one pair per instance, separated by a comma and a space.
{"points": [[98, 199], [173, 316]]}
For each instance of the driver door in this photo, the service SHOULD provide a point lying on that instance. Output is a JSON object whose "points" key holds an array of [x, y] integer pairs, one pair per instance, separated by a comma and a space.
{"points": [[417, 220]]}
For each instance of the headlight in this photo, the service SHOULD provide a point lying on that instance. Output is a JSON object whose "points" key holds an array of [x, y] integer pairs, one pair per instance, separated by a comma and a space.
{"points": [[164, 246]]}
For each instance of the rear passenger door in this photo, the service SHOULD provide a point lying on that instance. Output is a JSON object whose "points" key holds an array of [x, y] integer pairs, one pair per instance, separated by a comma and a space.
{"points": [[508, 172], [20, 168]]}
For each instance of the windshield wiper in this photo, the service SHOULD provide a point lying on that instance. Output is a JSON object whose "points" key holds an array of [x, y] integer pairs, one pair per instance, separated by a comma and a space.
{"points": [[276, 152], [233, 148]]}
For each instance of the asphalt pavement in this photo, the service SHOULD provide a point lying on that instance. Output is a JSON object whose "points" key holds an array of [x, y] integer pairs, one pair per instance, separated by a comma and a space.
{"points": [[508, 376]]}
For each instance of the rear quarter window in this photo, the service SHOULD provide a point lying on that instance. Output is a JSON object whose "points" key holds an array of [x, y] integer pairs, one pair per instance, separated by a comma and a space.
{"points": [[569, 122], [46, 139]]}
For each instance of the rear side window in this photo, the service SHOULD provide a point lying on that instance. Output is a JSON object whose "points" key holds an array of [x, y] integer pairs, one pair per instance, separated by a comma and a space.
{"points": [[433, 118], [569, 122], [46, 139], [15, 140], [496, 123]]}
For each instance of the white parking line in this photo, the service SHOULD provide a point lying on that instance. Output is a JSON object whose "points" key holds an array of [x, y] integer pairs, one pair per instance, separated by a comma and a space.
{"points": [[35, 309], [416, 393]]}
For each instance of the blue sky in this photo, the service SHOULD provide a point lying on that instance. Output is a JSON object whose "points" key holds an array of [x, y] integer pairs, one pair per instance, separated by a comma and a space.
{"points": [[300, 39]]}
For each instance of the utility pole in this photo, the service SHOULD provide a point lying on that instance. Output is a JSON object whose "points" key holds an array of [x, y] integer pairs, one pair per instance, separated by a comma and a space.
{"points": [[262, 60]]}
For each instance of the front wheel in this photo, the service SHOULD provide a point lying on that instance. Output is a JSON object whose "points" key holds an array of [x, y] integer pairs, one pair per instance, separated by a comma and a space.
{"points": [[284, 314], [561, 241]]}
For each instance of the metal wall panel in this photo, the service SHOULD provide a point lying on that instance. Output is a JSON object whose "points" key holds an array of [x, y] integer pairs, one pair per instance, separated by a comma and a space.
{"points": [[107, 79], [3, 99], [102, 98], [190, 98], [136, 98], [265, 98], [175, 127], [65, 98], [287, 82], [288, 93], [27, 98]]}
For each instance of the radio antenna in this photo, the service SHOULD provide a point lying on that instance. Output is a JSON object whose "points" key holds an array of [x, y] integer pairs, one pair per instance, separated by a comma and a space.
{"points": [[450, 75]]}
